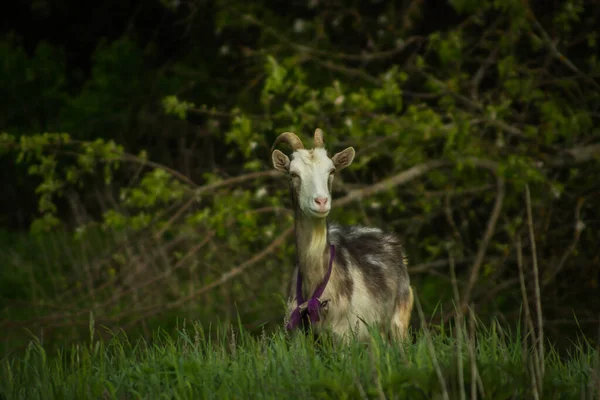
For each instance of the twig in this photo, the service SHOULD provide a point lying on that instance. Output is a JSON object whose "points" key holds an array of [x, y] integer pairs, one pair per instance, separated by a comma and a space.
{"points": [[355, 72], [536, 279], [150, 311], [471, 103], [175, 173], [458, 192], [431, 348], [126, 157], [507, 128], [556, 53], [568, 321], [472, 357], [324, 53], [225, 114], [478, 77], [503, 285], [179, 264], [575, 155], [199, 190], [450, 220], [585, 153], [51, 319], [425, 267], [238, 179], [174, 217], [459, 328], [432, 265], [578, 228], [489, 232], [528, 320], [397, 180], [594, 382]]}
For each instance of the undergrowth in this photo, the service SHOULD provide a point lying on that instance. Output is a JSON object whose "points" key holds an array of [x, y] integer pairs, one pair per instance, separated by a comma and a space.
{"points": [[192, 365]]}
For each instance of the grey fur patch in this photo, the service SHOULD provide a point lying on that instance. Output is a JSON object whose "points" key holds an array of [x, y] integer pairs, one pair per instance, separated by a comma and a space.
{"points": [[403, 294], [379, 256]]}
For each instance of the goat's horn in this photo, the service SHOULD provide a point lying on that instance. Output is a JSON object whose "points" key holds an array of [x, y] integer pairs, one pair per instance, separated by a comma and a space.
{"points": [[290, 138], [318, 138]]}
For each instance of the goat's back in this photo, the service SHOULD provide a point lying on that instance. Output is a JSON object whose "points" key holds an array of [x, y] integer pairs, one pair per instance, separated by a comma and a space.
{"points": [[378, 257]]}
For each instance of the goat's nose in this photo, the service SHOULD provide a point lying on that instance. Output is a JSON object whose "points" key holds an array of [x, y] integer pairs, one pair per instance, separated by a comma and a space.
{"points": [[321, 201]]}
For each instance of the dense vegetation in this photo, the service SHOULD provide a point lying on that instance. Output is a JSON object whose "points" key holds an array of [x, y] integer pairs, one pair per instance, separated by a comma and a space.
{"points": [[137, 184]]}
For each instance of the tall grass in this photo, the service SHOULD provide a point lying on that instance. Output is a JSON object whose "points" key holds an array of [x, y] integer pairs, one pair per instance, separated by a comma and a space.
{"points": [[191, 365]]}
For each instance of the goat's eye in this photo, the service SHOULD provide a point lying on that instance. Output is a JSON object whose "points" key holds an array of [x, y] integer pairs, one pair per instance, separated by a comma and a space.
{"points": [[294, 175], [332, 172]]}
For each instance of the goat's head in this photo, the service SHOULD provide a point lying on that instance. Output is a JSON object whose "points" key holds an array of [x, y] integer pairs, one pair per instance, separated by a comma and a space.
{"points": [[311, 172]]}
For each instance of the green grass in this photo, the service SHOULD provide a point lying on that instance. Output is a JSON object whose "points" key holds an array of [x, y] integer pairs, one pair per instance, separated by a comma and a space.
{"points": [[189, 365]]}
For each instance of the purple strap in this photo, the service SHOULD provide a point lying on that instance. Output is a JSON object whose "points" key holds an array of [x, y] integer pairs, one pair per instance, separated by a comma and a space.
{"points": [[314, 303]]}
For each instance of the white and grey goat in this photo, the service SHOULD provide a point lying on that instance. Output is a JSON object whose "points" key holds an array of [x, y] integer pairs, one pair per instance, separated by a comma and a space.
{"points": [[357, 276]]}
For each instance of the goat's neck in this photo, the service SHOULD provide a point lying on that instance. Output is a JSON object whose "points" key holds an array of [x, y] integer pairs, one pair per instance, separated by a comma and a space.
{"points": [[311, 248]]}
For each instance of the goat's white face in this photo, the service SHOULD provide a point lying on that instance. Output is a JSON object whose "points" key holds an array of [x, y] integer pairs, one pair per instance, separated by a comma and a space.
{"points": [[311, 174]]}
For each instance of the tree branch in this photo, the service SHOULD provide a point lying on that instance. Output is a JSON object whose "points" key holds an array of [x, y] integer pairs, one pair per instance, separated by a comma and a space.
{"points": [[397, 180], [324, 53], [478, 77], [577, 228], [577, 155], [489, 232], [556, 53], [150, 311]]}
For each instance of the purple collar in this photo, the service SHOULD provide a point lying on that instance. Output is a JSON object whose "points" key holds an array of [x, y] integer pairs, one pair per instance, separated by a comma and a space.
{"points": [[314, 304]]}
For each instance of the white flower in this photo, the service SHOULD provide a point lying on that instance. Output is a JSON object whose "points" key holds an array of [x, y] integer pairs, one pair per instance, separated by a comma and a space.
{"points": [[299, 25], [261, 192]]}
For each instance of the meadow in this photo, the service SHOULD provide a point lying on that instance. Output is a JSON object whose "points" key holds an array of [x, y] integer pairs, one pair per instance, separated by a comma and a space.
{"points": [[473, 361]]}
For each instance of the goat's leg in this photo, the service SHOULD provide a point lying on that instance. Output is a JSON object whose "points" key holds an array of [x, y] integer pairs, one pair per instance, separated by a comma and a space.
{"points": [[402, 314]]}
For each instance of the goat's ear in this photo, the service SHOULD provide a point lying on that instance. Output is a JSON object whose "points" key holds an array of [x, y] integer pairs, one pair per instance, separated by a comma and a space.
{"points": [[343, 158], [281, 162]]}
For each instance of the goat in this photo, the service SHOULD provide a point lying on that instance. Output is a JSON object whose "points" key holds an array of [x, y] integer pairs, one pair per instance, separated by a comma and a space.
{"points": [[365, 282]]}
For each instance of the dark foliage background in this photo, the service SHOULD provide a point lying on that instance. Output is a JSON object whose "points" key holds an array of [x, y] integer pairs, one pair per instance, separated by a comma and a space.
{"points": [[137, 184]]}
